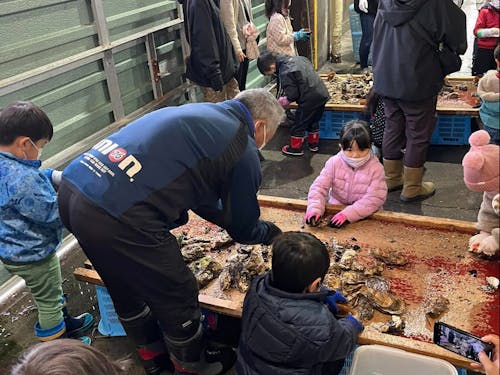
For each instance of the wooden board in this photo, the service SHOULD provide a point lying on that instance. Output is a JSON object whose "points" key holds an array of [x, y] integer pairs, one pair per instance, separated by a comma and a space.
{"points": [[466, 104], [439, 264]]}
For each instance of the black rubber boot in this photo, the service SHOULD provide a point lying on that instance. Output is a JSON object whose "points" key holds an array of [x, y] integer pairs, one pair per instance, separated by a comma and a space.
{"points": [[194, 356], [143, 329]]}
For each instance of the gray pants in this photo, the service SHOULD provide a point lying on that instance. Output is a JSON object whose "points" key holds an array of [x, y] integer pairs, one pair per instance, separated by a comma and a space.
{"points": [[408, 125]]}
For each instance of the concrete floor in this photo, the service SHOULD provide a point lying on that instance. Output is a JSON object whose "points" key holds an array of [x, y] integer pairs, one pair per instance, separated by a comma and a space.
{"points": [[282, 176]]}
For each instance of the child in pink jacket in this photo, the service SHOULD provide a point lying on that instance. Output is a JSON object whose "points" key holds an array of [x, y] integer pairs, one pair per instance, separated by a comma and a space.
{"points": [[354, 178]]}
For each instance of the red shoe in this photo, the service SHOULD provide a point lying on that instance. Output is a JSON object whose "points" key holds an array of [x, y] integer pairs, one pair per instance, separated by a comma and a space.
{"points": [[295, 148], [313, 141]]}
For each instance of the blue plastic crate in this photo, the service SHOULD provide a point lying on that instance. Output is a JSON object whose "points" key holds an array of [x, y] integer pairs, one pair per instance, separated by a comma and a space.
{"points": [[110, 324], [356, 41], [451, 130], [332, 122], [347, 364], [354, 20]]}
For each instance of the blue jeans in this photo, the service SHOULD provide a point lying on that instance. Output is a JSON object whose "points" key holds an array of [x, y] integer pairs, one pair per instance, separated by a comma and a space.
{"points": [[366, 38], [494, 134]]}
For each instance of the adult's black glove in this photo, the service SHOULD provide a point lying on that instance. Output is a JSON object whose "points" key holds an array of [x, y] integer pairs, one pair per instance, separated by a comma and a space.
{"points": [[216, 83], [272, 233]]}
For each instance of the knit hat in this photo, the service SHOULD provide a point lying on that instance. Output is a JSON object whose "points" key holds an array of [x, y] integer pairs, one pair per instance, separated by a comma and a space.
{"points": [[482, 163]]}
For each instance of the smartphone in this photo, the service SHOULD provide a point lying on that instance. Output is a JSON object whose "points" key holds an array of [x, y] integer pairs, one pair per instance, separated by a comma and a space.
{"points": [[460, 342]]}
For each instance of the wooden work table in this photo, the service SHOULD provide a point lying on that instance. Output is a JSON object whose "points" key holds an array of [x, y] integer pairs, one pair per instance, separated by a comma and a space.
{"points": [[438, 263], [466, 104]]}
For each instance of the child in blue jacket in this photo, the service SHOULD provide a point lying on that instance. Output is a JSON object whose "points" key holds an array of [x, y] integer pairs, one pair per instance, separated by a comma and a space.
{"points": [[30, 228], [288, 322]]}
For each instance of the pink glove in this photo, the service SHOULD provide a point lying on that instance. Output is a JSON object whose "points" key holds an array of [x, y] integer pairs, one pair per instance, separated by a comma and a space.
{"points": [[312, 218], [283, 101], [338, 220]]}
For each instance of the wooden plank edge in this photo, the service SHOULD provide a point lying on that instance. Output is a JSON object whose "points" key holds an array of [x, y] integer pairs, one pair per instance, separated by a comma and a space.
{"points": [[414, 346], [215, 304], [389, 216]]}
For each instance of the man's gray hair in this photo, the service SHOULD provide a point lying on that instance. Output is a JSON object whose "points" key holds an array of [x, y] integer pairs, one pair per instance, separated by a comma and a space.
{"points": [[262, 106]]}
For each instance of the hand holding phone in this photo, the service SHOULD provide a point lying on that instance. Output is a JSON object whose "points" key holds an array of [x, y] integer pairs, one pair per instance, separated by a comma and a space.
{"points": [[491, 366], [460, 342]]}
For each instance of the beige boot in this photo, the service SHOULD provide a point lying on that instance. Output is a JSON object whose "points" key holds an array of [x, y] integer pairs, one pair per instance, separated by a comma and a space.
{"points": [[414, 189], [393, 174]]}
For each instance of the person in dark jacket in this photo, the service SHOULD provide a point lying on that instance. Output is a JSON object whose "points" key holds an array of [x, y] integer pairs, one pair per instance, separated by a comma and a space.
{"points": [[122, 197], [288, 322], [212, 64], [300, 83], [367, 10], [407, 73]]}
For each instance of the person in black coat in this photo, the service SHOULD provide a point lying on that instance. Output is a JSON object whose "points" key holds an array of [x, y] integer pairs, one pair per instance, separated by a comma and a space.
{"points": [[212, 64], [367, 10], [288, 321], [408, 75], [299, 83]]}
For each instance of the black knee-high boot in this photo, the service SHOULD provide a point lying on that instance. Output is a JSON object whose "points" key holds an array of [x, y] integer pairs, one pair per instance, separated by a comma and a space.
{"points": [[143, 329], [191, 354]]}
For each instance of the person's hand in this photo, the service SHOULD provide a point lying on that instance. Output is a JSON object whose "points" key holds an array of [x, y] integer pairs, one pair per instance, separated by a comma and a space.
{"points": [[491, 366], [363, 5], [492, 32], [283, 100], [217, 83], [332, 300], [272, 232], [241, 56], [359, 326], [338, 220], [312, 218], [301, 35]]}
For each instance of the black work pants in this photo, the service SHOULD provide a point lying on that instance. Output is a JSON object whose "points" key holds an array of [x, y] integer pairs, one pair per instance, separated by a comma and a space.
{"points": [[306, 119], [138, 268], [241, 74], [408, 125]]}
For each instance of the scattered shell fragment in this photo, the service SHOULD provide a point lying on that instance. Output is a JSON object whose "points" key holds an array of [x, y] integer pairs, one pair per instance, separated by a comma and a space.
{"points": [[436, 306]]}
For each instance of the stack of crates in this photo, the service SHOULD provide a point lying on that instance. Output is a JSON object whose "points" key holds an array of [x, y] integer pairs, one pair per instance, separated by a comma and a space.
{"points": [[356, 34], [332, 122]]}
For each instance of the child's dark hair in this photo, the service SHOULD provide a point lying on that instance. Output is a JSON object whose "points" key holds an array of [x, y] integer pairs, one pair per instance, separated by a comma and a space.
{"points": [[24, 119], [355, 130], [273, 6], [298, 259], [496, 52], [265, 61], [67, 357]]}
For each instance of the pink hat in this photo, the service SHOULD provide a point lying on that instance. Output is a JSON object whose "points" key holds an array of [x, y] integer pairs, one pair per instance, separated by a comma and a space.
{"points": [[481, 164]]}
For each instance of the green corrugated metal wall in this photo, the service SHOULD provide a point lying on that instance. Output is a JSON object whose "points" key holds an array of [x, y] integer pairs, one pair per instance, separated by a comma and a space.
{"points": [[34, 33]]}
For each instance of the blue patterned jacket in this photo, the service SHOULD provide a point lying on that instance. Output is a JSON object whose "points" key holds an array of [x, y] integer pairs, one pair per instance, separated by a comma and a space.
{"points": [[30, 228]]}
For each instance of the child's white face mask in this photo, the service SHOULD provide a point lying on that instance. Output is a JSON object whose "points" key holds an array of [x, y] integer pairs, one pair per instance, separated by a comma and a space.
{"points": [[356, 162]]}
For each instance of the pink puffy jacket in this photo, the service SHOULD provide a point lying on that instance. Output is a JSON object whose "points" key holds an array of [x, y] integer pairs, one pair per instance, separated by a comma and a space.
{"points": [[363, 190]]}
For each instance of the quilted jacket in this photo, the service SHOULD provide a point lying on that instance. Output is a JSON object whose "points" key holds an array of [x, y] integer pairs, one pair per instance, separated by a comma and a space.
{"points": [[363, 191], [30, 228]]}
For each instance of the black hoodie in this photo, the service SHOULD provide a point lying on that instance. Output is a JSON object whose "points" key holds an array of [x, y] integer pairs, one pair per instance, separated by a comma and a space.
{"points": [[212, 62], [405, 66]]}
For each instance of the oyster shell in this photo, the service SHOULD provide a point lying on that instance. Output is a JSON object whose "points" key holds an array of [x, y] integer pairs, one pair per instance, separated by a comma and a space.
{"points": [[194, 251], [386, 302], [436, 306], [205, 270], [389, 257], [362, 308]]}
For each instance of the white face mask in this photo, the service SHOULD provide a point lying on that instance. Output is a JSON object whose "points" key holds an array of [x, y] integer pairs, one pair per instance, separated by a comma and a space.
{"points": [[39, 150], [265, 138], [355, 162]]}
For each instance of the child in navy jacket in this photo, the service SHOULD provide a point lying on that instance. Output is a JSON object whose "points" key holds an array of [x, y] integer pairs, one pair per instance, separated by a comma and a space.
{"points": [[288, 322]]}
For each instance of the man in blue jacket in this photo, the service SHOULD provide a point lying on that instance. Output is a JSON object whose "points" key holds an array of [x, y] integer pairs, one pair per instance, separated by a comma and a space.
{"points": [[123, 196]]}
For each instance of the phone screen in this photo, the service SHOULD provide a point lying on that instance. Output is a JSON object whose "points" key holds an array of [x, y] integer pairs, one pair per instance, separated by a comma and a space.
{"points": [[460, 342]]}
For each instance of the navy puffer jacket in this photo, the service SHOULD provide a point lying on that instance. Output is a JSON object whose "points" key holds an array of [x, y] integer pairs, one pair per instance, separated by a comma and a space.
{"points": [[290, 333]]}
